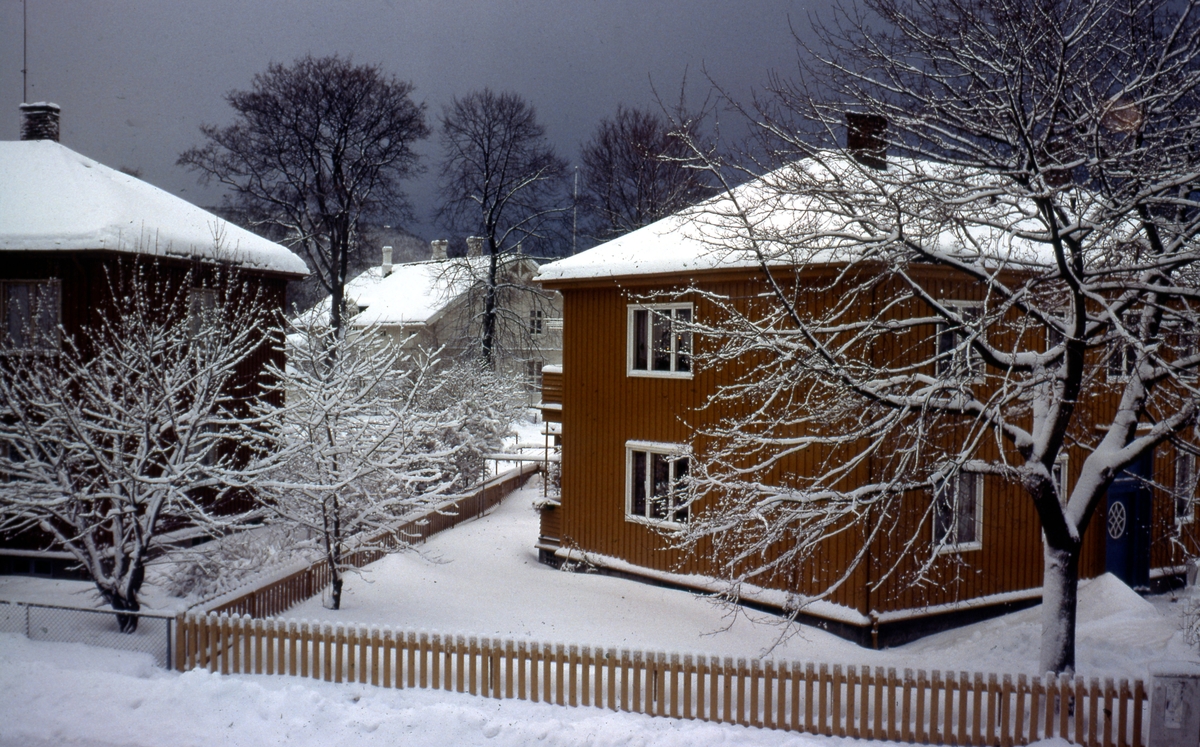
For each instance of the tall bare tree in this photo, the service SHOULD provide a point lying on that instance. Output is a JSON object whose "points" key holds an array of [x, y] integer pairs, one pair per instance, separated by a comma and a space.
{"points": [[636, 171], [1042, 156], [502, 181], [317, 147]]}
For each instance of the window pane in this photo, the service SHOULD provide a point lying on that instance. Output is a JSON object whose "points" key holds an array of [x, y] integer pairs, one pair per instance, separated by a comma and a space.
{"points": [[679, 494], [1185, 486], [640, 344], [683, 340], [661, 487], [662, 340], [967, 499], [639, 484], [17, 315], [945, 350], [48, 304]]}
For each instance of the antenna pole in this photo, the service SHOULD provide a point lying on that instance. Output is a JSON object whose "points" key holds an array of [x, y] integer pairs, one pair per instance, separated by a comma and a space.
{"points": [[24, 51], [575, 211]]}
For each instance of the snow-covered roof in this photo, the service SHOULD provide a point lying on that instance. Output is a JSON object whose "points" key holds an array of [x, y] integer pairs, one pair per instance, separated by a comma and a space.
{"points": [[54, 199], [796, 224], [412, 293]]}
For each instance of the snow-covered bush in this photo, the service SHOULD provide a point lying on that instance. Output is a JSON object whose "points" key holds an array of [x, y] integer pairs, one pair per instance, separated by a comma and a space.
{"points": [[229, 562]]}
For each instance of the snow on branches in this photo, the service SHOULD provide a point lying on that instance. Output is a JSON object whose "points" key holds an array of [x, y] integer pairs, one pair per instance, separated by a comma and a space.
{"points": [[134, 427], [369, 434]]}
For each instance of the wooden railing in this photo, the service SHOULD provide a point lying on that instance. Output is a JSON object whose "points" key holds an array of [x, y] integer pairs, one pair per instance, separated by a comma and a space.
{"points": [[279, 595], [845, 701]]}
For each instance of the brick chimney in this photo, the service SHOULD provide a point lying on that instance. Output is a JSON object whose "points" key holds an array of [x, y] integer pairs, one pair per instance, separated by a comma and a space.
{"points": [[40, 121], [474, 246], [865, 139], [386, 267], [438, 248]]}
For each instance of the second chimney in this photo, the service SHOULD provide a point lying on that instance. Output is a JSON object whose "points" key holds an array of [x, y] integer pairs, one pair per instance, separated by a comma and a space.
{"points": [[865, 139], [474, 246], [438, 249], [386, 267], [40, 121]]}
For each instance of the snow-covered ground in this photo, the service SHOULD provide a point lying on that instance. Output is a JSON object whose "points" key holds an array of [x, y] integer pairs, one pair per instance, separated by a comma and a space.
{"points": [[483, 578], [70, 694]]}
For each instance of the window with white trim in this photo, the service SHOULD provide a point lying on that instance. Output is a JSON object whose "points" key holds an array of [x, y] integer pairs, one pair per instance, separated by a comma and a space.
{"points": [[536, 317], [958, 513], [660, 343], [1185, 488], [31, 315], [654, 485], [956, 358]]}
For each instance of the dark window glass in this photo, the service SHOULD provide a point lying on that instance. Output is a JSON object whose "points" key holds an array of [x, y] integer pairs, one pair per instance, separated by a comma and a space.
{"points": [[640, 343], [662, 340], [639, 483], [661, 487], [683, 340], [30, 314], [681, 472]]}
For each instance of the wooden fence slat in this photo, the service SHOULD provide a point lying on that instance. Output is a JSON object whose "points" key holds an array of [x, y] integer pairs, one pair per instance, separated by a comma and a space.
{"points": [[835, 683], [784, 674], [572, 687]]}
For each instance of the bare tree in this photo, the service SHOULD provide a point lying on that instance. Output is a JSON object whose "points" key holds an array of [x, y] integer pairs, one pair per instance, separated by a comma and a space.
{"points": [[635, 171], [363, 441], [318, 147], [1040, 160], [502, 181], [136, 427]]}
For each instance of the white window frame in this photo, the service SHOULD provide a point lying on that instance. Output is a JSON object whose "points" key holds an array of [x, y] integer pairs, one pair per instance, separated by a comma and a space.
{"points": [[1062, 482], [54, 341], [953, 368], [537, 319], [652, 310], [676, 452], [942, 545], [1185, 472]]}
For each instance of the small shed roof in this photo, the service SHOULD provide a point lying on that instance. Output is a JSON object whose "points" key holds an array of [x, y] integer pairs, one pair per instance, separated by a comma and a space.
{"points": [[54, 199]]}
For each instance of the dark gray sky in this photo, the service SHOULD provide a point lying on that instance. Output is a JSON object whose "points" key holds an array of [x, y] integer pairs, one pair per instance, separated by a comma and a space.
{"points": [[136, 78]]}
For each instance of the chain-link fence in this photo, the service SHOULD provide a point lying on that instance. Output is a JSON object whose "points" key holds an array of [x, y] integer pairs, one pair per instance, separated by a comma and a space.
{"points": [[45, 622]]}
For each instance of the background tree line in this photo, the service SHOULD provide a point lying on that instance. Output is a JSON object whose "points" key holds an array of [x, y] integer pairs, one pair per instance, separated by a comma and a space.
{"points": [[319, 149]]}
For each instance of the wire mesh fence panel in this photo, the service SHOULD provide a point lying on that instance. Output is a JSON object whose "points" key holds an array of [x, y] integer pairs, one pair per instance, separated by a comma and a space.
{"points": [[90, 626]]}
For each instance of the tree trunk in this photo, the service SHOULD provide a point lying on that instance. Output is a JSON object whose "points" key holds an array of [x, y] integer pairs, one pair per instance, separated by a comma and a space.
{"points": [[335, 593], [1060, 593], [489, 310], [125, 623]]}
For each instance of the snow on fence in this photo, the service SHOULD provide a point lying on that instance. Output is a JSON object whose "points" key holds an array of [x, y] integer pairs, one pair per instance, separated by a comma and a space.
{"points": [[278, 595], [845, 701], [95, 627]]}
